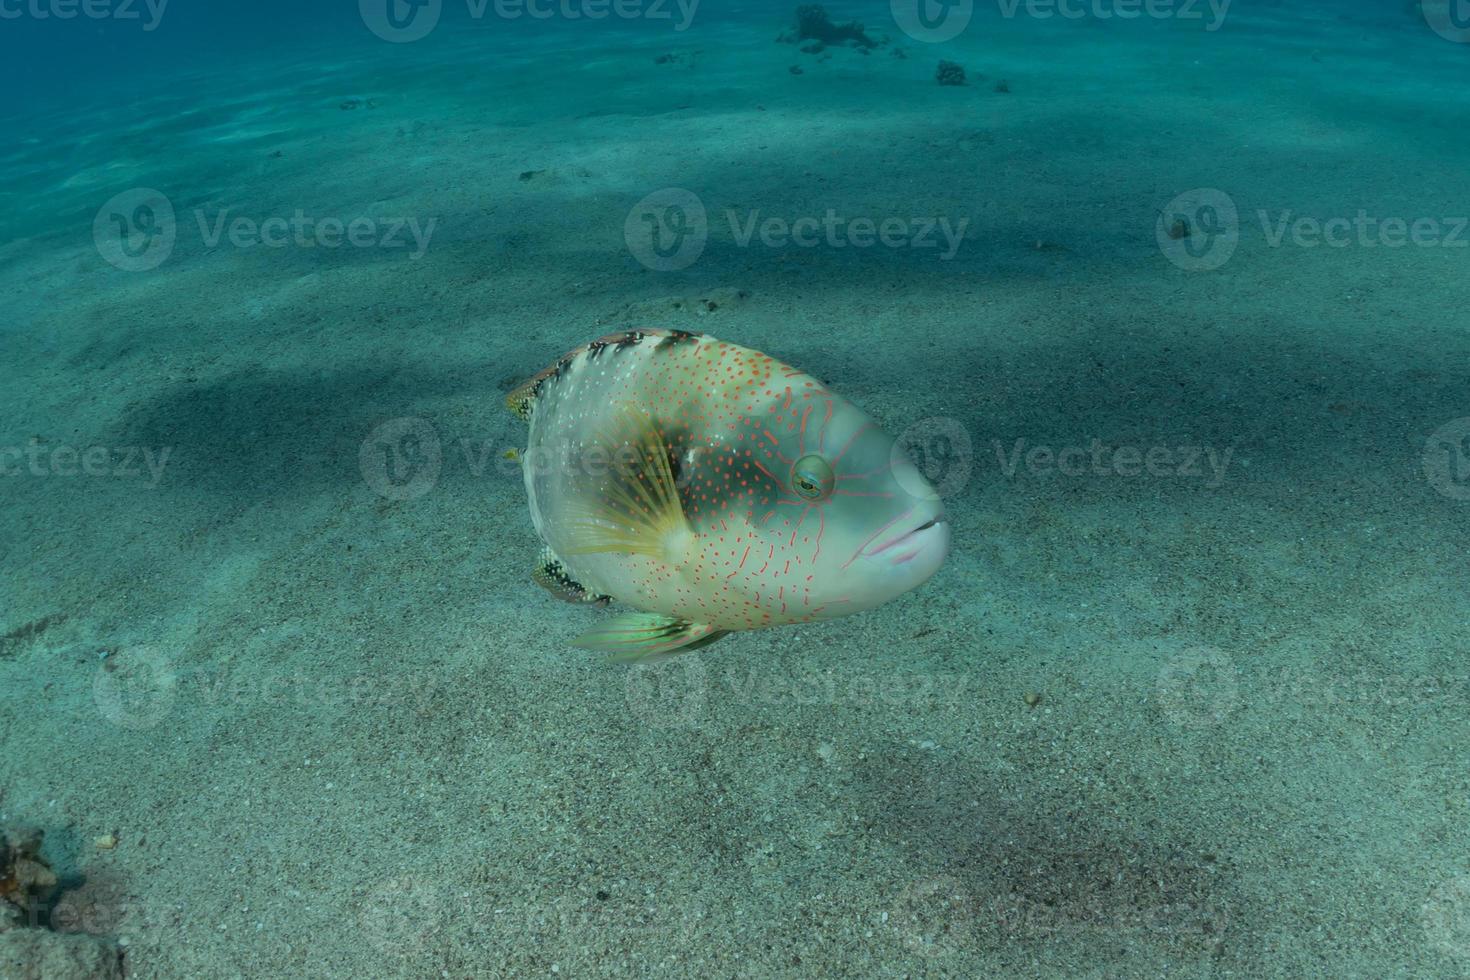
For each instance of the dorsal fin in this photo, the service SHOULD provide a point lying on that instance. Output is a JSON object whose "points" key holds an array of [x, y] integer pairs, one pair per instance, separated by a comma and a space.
{"points": [[522, 399]]}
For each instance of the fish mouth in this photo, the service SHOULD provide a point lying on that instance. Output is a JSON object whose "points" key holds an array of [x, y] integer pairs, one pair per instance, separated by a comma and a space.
{"points": [[908, 545]]}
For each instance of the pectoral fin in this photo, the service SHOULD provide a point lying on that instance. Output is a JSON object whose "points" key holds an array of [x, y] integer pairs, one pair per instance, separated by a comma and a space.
{"points": [[633, 637], [636, 509]]}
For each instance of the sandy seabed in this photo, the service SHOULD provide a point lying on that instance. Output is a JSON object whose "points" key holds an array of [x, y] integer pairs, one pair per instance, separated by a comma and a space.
{"points": [[1189, 698]]}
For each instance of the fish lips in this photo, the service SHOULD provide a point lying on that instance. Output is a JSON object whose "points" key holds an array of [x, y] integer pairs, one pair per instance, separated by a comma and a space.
{"points": [[918, 550]]}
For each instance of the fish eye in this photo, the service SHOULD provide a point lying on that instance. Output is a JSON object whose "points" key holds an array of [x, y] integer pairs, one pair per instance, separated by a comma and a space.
{"points": [[812, 477]]}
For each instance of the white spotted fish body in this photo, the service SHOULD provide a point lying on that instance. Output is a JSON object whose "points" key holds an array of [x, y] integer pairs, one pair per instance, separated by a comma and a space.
{"points": [[714, 488]]}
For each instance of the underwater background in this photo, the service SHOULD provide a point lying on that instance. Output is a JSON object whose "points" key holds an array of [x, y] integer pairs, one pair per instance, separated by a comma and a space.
{"points": [[1168, 299]]}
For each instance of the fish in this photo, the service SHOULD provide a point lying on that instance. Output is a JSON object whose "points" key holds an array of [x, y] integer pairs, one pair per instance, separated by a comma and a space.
{"points": [[714, 489]]}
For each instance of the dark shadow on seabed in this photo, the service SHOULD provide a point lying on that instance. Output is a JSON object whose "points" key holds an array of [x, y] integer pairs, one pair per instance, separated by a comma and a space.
{"points": [[999, 864]]}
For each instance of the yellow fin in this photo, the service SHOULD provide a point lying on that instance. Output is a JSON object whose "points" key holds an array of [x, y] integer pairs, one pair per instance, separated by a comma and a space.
{"points": [[634, 637], [635, 508]]}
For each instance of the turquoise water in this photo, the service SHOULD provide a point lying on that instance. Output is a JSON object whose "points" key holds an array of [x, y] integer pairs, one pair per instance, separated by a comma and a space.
{"points": [[1170, 310]]}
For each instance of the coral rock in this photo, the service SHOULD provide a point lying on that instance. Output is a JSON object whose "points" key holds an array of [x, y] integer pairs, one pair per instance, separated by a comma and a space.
{"points": [[813, 24]]}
